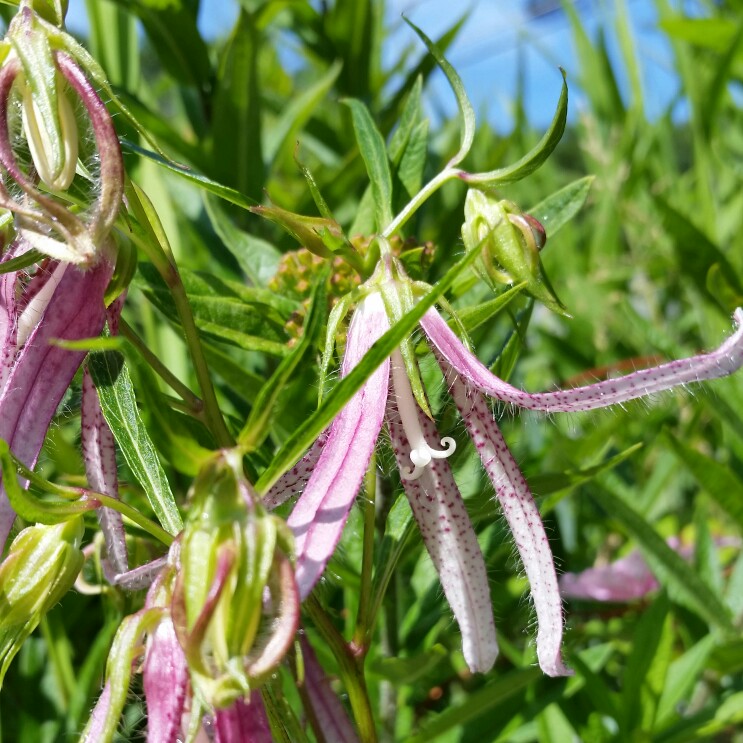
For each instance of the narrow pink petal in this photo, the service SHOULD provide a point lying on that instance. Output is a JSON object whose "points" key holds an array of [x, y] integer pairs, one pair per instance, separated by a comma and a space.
{"points": [[97, 723], [165, 680], [452, 544], [626, 579], [42, 372], [294, 481], [99, 456], [326, 706], [243, 722], [719, 363], [320, 514], [523, 519]]}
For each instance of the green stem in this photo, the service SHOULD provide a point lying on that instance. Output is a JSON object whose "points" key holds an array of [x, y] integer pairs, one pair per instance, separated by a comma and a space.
{"points": [[194, 402], [363, 617], [351, 669], [59, 654], [73, 493], [158, 251], [420, 198]]}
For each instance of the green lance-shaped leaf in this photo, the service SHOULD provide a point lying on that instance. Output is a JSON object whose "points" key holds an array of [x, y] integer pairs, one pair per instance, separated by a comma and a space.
{"points": [[466, 112], [535, 157], [119, 406], [559, 208], [374, 154]]}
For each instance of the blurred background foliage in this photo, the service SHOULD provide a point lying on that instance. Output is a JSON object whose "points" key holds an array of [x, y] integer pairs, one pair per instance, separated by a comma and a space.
{"points": [[650, 268]]}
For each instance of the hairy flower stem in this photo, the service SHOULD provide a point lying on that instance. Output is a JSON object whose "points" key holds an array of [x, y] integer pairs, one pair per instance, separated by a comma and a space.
{"points": [[164, 262], [351, 668], [364, 617]]}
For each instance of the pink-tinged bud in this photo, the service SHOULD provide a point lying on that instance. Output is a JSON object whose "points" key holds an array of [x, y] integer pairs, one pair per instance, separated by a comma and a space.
{"points": [[235, 604], [509, 242], [47, 101], [41, 566]]}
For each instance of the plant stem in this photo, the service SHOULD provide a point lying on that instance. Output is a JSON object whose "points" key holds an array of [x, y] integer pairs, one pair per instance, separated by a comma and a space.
{"points": [[194, 402], [363, 617], [157, 247], [351, 670], [421, 197]]}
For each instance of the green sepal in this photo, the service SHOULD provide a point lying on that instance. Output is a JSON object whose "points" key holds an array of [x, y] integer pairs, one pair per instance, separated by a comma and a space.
{"points": [[40, 567], [31, 44], [535, 157], [321, 236]]}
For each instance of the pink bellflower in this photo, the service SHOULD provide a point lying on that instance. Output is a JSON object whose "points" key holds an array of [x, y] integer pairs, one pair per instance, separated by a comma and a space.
{"points": [[331, 473]]}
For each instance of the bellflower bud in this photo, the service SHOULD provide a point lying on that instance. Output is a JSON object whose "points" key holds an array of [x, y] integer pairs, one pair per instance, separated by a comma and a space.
{"points": [[509, 241], [41, 566], [235, 605]]}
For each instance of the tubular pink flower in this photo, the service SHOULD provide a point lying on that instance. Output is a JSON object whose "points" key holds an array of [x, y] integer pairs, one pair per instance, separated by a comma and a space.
{"points": [[243, 722], [327, 709], [334, 468], [37, 373], [718, 363], [451, 542], [320, 514]]}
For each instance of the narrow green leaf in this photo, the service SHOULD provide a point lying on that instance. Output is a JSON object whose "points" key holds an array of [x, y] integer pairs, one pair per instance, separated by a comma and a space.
{"points": [[409, 119], [374, 153], [119, 406], [258, 425], [257, 258], [22, 261], [485, 700], [560, 207], [535, 157], [645, 673], [683, 675], [294, 116], [350, 384], [473, 317], [466, 112], [206, 184], [682, 583], [714, 478]]}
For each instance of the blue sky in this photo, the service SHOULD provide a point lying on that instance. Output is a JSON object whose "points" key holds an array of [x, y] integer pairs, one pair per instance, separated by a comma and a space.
{"points": [[487, 49]]}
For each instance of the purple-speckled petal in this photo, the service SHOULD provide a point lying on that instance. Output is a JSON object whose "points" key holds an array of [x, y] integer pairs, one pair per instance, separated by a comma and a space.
{"points": [[98, 717], [42, 372], [295, 480], [327, 708], [243, 722], [165, 680], [522, 516], [719, 363], [320, 514], [99, 457], [452, 544]]}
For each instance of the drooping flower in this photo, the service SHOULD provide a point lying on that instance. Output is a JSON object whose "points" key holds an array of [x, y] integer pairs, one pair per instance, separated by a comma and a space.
{"points": [[332, 472]]}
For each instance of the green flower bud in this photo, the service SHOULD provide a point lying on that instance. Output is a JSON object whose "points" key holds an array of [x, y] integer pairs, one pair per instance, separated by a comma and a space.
{"points": [[235, 604], [40, 568], [40, 144], [509, 241]]}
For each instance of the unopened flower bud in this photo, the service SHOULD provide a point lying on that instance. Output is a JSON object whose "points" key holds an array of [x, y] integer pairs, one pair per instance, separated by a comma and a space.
{"points": [[40, 568], [40, 144], [509, 242], [235, 605]]}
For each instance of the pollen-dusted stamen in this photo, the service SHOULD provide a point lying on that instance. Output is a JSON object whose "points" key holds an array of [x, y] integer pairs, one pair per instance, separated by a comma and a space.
{"points": [[421, 453]]}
